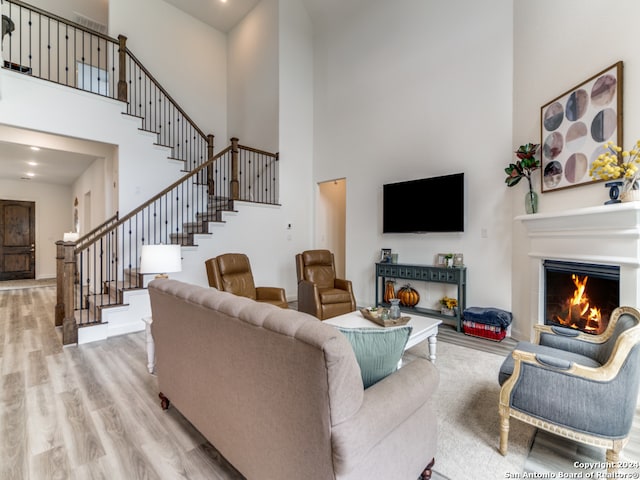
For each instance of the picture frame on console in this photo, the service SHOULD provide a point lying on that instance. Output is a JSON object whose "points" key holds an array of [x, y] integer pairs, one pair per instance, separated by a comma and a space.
{"points": [[385, 255], [444, 259], [575, 125], [441, 260]]}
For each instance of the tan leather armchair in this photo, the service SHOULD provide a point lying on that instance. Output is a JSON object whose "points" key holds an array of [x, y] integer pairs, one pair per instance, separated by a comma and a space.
{"points": [[320, 293], [231, 272]]}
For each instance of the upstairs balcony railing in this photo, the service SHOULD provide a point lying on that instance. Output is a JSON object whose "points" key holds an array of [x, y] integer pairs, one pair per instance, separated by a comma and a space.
{"points": [[52, 48]]}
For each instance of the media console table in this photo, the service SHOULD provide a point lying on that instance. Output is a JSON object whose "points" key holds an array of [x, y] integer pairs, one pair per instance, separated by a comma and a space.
{"points": [[424, 273]]}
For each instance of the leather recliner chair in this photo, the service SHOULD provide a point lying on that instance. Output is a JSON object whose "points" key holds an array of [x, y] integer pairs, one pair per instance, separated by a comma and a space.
{"points": [[231, 272], [320, 293]]}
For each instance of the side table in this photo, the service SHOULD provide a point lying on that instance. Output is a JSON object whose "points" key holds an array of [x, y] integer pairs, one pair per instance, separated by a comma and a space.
{"points": [[151, 346]]}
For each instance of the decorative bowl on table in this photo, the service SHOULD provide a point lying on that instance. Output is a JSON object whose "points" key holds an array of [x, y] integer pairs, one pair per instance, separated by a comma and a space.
{"points": [[374, 316]]}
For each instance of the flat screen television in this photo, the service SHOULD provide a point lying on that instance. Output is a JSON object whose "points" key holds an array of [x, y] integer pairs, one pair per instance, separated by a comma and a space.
{"points": [[434, 204]]}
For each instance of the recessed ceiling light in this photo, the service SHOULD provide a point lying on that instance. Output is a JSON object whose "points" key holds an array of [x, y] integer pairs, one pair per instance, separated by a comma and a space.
{"points": [[31, 174], [35, 148], [33, 164], [223, 1]]}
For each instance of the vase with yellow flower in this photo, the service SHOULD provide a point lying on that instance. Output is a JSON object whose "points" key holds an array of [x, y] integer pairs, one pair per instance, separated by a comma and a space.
{"points": [[448, 306], [622, 169]]}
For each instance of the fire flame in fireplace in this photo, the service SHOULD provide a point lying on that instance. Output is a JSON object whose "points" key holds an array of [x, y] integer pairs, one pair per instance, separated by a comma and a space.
{"points": [[579, 313]]}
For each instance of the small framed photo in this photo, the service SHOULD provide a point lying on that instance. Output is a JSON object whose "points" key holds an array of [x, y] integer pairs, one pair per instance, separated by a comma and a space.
{"points": [[385, 255], [444, 260], [458, 260]]}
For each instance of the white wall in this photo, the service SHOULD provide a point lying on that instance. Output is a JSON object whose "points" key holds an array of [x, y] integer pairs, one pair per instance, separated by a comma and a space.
{"points": [[551, 59], [97, 181], [185, 55], [412, 89], [253, 78], [255, 231], [34, 104], [296, 109], [96, 10], [53, 204], [271, 108]]}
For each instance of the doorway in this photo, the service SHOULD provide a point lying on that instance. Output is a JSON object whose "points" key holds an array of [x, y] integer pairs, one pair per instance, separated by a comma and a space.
{"points": [[17, 240], [331, 221]]}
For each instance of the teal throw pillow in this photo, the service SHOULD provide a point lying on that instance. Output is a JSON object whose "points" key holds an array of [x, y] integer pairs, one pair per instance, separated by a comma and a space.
{"points": [[378, 350]]}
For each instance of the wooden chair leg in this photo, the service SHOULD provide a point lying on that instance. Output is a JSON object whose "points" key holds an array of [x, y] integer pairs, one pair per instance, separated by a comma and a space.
{"points": [[426, 473], [504, 431], [164, 401], [612, 458]]}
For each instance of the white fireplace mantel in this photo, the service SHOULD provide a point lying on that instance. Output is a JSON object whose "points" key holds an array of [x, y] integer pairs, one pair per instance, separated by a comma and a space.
{"points": [[606, 234]]}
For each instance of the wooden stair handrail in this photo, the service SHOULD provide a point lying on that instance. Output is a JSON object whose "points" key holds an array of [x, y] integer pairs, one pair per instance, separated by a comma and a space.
{"points": [[261, 152], [103, 225], [157, 84], [138, 209]]}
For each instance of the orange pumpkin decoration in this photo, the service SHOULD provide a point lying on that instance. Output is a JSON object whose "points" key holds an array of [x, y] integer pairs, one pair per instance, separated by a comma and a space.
{"points": [[408, 296], [389, 291]]}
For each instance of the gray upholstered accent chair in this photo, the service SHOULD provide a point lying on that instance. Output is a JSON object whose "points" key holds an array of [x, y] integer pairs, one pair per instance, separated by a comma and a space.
{"points": [[579, 386]]}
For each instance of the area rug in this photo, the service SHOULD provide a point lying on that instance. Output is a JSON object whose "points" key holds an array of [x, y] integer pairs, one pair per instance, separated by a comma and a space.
{"points": [[466, 405]]}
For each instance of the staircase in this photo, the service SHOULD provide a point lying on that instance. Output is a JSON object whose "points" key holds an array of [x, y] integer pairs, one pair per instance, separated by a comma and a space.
{"points": [[213, 213], [97, 276]]}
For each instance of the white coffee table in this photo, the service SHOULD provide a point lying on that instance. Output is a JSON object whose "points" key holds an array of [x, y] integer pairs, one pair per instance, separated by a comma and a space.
{"points": [[423, 328]]}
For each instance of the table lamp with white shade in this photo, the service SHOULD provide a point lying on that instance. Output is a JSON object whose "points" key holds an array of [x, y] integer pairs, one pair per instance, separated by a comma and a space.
{"points": [[160, 259]]}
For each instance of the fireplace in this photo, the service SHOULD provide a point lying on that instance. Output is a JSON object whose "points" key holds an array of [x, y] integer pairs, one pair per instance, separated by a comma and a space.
{"points": [[580, 295], [603, 235]]}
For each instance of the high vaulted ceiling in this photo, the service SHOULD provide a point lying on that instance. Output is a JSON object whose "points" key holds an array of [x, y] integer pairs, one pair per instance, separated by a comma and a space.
{"points": [[220, 15], [224, 16]]}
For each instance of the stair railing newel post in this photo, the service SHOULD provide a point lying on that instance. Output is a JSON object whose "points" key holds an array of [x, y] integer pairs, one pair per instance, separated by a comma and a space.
{"points": [[69, 325], [210, 181], [122, 69], [235, 183], [59, 308]]}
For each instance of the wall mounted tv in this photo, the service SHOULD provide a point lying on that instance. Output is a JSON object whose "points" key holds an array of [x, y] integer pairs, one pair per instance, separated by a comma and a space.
{"points": [[434, 204]]}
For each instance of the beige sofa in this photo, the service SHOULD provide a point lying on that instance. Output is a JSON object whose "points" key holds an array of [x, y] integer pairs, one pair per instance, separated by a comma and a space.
{"points": [[279, 393]]}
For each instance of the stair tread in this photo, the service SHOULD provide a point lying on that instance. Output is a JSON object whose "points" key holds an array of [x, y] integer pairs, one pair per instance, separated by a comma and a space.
{"points": [[132, 115], [149, 131], [85, 317]]}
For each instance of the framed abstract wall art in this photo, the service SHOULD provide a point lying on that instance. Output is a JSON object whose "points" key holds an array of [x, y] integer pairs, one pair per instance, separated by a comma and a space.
{"points": [[574, 127]]}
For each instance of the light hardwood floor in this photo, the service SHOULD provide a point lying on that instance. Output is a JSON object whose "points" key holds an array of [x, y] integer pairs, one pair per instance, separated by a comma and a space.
{"points": [[87, 412], [92, 411]]}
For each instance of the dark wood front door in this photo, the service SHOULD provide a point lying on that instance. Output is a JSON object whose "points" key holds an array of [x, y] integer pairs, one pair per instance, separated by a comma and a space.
{"points": [[17, 240]]}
